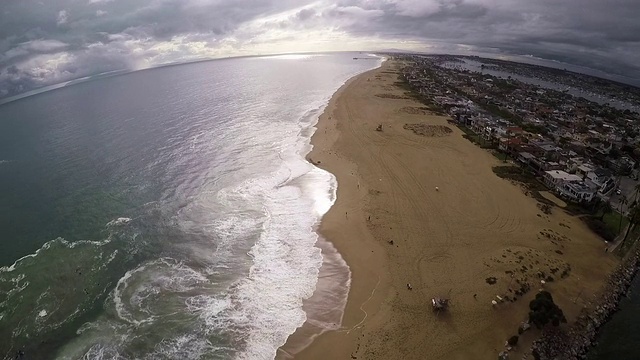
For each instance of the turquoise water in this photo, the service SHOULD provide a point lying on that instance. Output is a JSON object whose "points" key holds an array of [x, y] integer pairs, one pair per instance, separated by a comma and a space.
{"points": [[166, 213]]}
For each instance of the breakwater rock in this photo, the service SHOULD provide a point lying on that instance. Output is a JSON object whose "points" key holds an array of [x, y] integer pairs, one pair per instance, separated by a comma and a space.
{"points": [[574, 342]]}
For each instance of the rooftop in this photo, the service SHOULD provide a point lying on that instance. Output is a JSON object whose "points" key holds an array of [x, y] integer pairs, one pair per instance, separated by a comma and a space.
{"points": [[562, 175], [602, 172], [526, 155], [580, 187]]}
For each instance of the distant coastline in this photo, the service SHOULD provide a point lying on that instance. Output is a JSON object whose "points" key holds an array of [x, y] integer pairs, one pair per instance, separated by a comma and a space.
{"points": [[515, 58]]}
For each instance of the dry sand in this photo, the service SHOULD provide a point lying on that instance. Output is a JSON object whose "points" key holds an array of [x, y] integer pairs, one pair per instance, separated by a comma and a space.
{"points": [[445, 243]]}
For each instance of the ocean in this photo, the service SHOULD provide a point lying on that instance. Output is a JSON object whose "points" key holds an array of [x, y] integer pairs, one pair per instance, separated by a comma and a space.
{"points": [[618, 338], [169, 213]]}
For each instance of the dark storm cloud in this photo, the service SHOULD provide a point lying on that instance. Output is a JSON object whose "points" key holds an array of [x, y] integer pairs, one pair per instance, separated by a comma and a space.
{"points": [[585, 32], [48, 41]]}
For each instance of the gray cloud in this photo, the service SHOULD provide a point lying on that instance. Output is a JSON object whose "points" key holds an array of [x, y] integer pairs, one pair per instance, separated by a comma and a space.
{"points": [[44, 42]]}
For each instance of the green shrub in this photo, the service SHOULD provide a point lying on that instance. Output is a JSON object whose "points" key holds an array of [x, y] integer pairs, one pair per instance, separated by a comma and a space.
{"points": [[544, 311]]}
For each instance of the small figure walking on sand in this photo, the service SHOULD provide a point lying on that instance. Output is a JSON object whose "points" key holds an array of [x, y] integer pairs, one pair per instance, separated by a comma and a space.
{"points": [[475, 296], [437, 188], [346, 215], [409, 286], [369, 218]]}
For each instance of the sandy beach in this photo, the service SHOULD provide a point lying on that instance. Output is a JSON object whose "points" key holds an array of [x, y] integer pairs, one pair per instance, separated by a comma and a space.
{"points": [[393, 228]]}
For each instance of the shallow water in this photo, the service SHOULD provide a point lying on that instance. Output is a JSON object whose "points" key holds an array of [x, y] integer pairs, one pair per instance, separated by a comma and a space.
{"points": [[167, 213]]}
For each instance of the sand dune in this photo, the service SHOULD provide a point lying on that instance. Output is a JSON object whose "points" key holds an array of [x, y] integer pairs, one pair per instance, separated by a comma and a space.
{"points": [[445, 242]]}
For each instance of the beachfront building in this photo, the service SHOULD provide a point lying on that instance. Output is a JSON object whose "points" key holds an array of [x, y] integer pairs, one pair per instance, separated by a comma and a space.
{"points": [[569, 186], [579, 192], [509, 144]]}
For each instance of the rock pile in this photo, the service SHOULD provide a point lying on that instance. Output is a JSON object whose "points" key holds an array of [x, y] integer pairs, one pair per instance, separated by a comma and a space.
{"points": [[574, 343]]}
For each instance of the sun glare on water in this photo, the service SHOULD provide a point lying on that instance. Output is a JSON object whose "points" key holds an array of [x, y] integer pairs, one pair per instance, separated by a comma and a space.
{"points": [[292, 56]]}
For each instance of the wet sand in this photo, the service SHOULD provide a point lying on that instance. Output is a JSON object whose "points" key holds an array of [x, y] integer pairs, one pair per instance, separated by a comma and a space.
{"points": [[393, 227]]}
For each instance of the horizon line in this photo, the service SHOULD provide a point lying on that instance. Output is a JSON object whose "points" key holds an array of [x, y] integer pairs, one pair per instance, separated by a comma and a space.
{"points": [[634, 82]]}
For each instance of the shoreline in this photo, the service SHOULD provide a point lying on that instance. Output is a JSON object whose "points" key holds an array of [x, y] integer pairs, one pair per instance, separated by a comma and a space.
{"points": [[392, 228], [322, 140]]}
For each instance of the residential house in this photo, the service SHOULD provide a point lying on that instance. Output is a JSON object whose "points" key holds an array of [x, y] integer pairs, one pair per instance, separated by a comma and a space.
{"points": [[509, 144], [584, 169], [569, 185], [599, 176]]}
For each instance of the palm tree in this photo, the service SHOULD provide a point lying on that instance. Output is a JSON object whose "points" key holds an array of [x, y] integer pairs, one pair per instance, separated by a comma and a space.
{"points": [[623, 201]]}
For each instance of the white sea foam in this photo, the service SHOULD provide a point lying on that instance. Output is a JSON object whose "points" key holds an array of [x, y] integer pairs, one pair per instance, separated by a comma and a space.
{"points": [[102, 352], [184, 347], [119, 221], [139, 289], [117, 296], [65, 243]]}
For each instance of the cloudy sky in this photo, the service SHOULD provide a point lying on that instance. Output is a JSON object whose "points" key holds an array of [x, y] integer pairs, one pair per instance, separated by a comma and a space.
{"points": [[43, 42]]}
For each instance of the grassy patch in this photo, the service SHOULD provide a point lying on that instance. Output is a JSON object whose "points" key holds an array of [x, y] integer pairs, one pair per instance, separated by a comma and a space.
{"points": [[577, 209], [467, 131], [473, 138], [528, 181], [520, 175], [501, 156], [600, 227], [612, 220]]}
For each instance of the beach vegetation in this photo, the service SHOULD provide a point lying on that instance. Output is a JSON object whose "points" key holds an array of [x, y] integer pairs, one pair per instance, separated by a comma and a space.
{"points": [[502, 156], [606, 230], [518, 174], [544, 311], [615, 221]]}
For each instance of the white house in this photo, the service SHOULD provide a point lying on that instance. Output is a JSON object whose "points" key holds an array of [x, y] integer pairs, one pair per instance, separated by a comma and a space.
{"points": [[579, 191], [556, 178], [569, 185]]}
